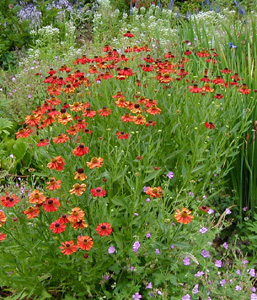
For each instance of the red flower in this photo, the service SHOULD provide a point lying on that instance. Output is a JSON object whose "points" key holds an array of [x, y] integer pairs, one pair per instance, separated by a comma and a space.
{"points": [[128, 34], [9, 201], [57, 227], [187, 52], [63, 219], [209, 125], [104, 112], [218, 96], [85, 242], [195, 89], [104, 229], [80, 150], [122, 135], [23, 133], [61, 138], [51, 204], [2, 236], [98, 192], [56, 163], [68, 247], [43, 142], [150, 123]]}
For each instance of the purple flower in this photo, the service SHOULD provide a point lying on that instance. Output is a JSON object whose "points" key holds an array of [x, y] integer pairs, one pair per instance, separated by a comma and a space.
{"points": [[195, 290], [253, 297], [245, 208], [218, 263], [136, 246], [199, 273], [186, 261], [111, 250], [149, 285], [29, 96], [145, 188], [147, 199], [228, 211], [210, 211], [205, 254], [172, 246], [253, 289], [238, 272], [136, 214], [245, 262], [136, 296], [148, 235], [186, 297], [225, 245], [252, 272], [203, 230], [191, 194], [170, 175], [238, 288], [157, 251], [223, 282]]}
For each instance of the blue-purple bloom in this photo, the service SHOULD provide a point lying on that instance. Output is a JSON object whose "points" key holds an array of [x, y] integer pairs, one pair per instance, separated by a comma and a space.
{"points": [[218, 263], [137, 296], [205, 254], [199, 273], [136, 246], [186, 261], [203, 230], [186, 297], [149, 285], [170, 175], [111, 250]]}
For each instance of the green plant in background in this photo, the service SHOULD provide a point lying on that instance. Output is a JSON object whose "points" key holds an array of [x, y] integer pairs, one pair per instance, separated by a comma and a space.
{"points": [[14, 35]]}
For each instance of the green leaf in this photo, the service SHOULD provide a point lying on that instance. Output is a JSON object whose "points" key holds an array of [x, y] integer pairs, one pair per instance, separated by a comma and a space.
{"points": [[19, 149]]}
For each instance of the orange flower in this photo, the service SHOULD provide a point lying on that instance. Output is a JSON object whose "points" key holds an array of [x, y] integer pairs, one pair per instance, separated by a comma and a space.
{"points": [[80, 150], [37, 197], [96, 162], [76, 106], [53, 184], [183, 216], [139, 120], [80, 175], [2, 218], [56, 163], [76, 215], [64, 118], [80, 224], [23, 133], [153, 110], [155, 192], [32, 212], [61, 138], [32, 120], [85, 242], [68, 247], [78, 189]]}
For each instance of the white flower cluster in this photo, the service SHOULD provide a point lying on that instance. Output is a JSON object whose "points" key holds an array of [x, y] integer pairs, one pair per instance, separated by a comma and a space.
{"points": [[48, 31]]}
